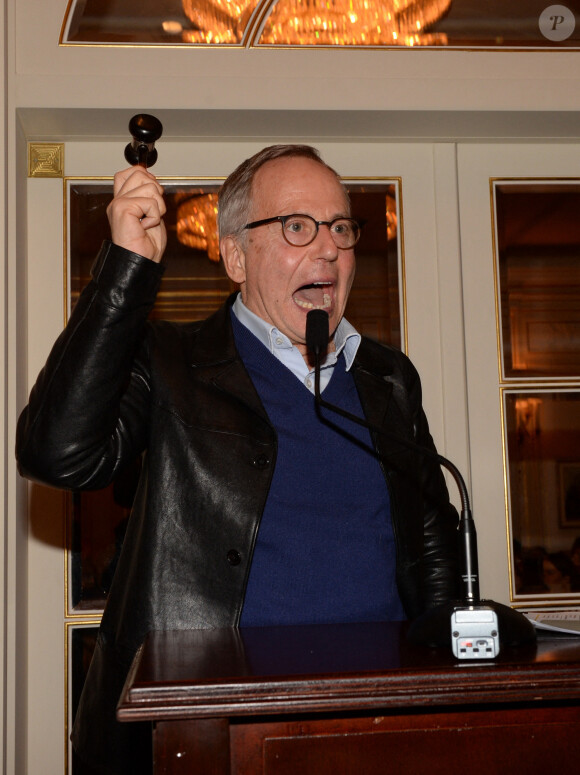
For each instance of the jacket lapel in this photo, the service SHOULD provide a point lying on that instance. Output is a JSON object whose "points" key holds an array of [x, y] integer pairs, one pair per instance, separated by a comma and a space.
{"points": [[371, 378], [217, 362], [375, 382]]}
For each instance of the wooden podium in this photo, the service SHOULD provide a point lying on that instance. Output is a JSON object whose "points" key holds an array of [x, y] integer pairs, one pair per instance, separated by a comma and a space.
{"points": [[352, 699]]}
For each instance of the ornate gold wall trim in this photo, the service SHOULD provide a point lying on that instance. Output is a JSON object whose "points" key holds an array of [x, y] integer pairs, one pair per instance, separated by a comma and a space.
{"points": [[45, 160]]}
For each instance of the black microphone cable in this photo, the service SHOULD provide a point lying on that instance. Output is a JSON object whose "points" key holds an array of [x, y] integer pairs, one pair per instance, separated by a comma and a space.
{"points": [[317, 336], [433, 628]]}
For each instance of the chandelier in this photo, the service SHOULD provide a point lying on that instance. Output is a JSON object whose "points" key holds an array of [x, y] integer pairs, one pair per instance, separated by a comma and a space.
{"points": [[197, 223], [318, 22], [218, 21]]}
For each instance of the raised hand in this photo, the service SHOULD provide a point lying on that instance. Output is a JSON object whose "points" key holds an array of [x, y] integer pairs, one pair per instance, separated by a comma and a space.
{"points": [[136, 213]]}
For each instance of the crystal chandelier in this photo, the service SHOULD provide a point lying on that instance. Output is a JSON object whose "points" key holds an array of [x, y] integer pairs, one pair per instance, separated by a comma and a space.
{"points": [[354, 22], [197, 223], [218, 21], [319, 22]]}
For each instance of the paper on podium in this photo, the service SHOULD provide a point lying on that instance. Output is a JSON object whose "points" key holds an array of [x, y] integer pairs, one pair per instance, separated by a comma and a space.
{"points": [[566, 622]]}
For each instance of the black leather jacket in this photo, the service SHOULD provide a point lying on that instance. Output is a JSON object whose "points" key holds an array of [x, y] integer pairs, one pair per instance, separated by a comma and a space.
{"points": [[116, 387]]}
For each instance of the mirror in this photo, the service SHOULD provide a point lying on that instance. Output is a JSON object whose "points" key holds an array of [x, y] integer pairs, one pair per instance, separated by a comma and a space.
{"points": [[250, 23], [537, 242]]}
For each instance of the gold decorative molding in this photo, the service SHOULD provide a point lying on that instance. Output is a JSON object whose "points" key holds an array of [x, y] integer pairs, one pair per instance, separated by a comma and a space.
{"points": [[45, 160]]}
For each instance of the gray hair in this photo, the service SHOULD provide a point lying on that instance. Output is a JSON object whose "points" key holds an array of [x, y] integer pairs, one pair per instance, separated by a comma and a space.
{"points": [[235, 196]]}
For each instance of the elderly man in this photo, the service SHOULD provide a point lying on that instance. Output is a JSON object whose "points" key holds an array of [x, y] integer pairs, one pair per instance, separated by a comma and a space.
{"points": [[252, 509]]}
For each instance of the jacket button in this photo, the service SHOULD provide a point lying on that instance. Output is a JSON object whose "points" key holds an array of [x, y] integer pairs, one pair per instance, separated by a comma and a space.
{"points": [[261, 461], [234, 557]]}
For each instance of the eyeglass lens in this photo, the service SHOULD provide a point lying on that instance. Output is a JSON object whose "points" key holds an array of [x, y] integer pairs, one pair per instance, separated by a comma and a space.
{"points": [[301, 230]]}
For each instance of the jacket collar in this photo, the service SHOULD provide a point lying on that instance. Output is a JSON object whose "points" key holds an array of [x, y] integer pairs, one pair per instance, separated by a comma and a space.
{"points": [[383, 397], [216, 360], [372, 372], [214, 340]]}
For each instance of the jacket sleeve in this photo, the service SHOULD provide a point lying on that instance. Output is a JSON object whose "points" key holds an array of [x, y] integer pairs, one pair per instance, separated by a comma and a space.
{"points": [[87, 413]]}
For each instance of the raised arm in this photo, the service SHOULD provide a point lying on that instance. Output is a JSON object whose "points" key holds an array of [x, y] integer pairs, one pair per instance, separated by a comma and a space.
{"points": [[88, 411]]}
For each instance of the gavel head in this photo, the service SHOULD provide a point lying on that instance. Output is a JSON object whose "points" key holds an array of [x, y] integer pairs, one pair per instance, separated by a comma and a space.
{"points": [[145, 130]]}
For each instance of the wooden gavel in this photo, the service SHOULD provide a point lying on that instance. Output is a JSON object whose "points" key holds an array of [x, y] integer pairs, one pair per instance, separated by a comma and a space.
{"points": [[145, 130]]}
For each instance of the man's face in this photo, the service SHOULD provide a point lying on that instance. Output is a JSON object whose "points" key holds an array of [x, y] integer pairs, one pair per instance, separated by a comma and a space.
{"points": [[280, 282]]}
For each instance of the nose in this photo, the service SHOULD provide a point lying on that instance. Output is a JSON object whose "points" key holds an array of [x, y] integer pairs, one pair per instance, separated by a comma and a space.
{"points": [[325, 245]]}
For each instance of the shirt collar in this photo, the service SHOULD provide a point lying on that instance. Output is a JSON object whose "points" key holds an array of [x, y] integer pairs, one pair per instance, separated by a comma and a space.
{"points": [[346, 337]]}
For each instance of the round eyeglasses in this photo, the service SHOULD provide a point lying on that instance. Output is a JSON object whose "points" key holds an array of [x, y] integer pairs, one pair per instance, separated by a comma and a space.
{"points": [[301, 230]]}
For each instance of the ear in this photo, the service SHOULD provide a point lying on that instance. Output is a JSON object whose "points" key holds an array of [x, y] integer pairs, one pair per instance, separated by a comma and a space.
{"points": [[234, 259]]}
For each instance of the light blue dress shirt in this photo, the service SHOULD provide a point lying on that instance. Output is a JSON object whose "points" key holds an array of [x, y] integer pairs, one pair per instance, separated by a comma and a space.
{"points": [[346, 339]]}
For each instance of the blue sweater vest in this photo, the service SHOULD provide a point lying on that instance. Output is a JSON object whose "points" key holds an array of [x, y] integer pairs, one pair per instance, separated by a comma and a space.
{"points": [[325, 550]]}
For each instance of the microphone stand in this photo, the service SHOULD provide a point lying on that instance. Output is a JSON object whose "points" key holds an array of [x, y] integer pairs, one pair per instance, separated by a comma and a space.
{"points": [[434, 627]]}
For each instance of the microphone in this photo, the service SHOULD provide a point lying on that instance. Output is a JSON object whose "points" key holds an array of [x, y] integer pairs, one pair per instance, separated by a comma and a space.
{"points": [[471, 626], [145, 130], [317, 332]]}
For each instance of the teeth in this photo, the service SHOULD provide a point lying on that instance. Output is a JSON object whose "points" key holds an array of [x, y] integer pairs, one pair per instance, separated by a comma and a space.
{"points": [[309, 301], [309, 305]]}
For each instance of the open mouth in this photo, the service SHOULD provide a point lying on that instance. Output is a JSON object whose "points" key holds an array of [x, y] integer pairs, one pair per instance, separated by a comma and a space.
{"points": [[313, 296]]}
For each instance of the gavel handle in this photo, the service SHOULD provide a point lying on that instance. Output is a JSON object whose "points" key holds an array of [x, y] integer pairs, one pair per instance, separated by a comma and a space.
{"points": [[142, 154]]}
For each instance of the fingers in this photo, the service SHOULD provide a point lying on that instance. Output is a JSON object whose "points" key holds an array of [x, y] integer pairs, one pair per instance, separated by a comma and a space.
{"points": [[134, 177], [136, 213]]}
